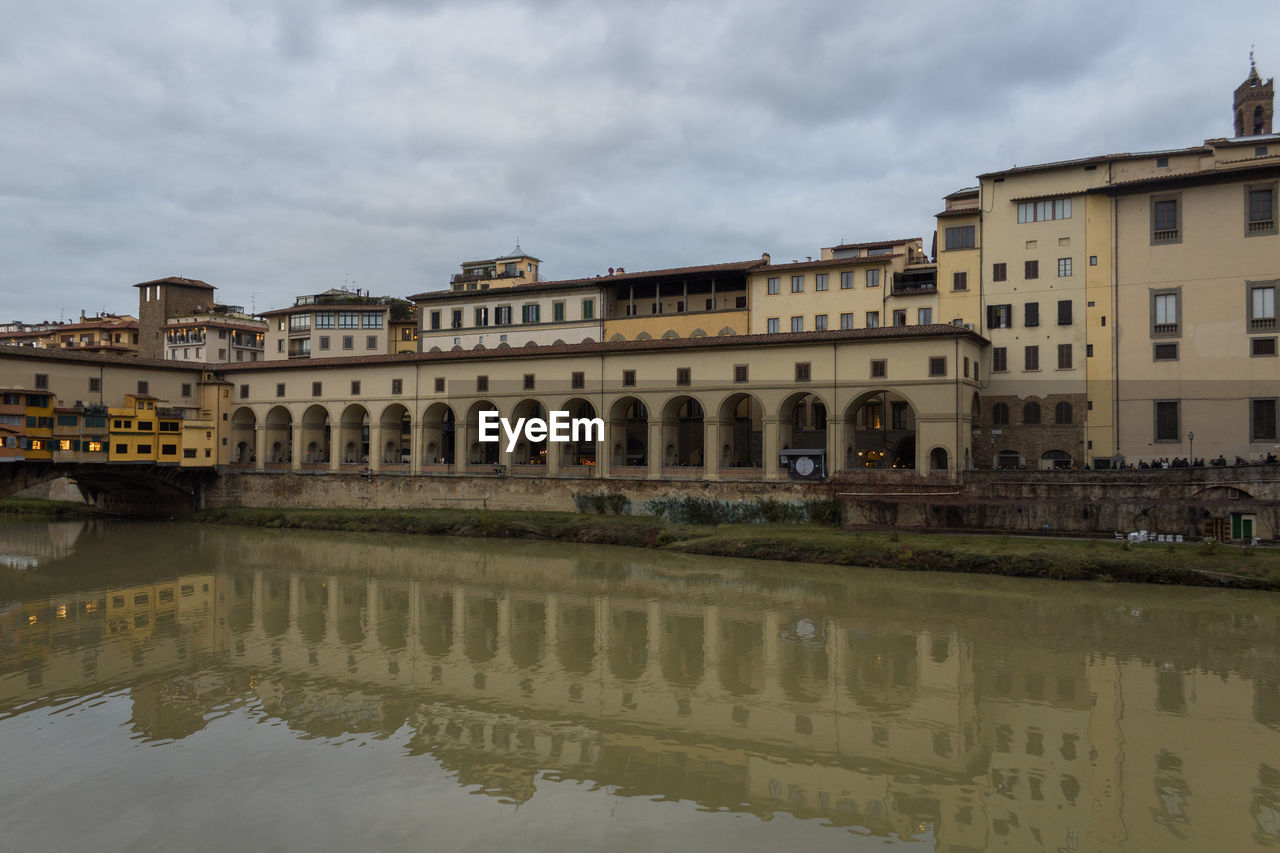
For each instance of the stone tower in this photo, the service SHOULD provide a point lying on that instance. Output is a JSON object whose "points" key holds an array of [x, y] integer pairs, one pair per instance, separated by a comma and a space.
{"points": [[1254, 104], [164, 298]]}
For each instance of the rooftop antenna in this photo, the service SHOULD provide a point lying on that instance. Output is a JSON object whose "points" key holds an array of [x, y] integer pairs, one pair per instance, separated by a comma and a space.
{"points": [[253, 302], [1252, 66]]}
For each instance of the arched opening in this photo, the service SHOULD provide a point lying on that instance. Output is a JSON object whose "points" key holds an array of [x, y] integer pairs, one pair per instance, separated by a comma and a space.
{"points": [[353, 435], [480, 452], [938, 459], [279, 426], [1009, 459], [628, 641], [528, 452], [243, 424], [880, 430], [1052, 460], [316, 436], [438, 433], [1259, 121], [1031, 414], [683, 433], [628, 434], [741, 434], [396, 439], [802, 424], [1062, 414], [581, 452]]}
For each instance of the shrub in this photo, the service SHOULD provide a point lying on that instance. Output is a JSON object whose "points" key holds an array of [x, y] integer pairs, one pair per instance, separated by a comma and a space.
{"points": [[600, 503]]}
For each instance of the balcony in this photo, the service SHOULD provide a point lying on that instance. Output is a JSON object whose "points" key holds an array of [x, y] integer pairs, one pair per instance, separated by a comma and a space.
{"points": [[469, 277], [1262, 226], [915, 282], [1165, 235], [1262, 324]]}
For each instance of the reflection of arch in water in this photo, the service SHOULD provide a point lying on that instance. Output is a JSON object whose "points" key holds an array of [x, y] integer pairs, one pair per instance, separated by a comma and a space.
{"points": [[881, 671], [628, 641], [275, 605], [528, 631], [436, 627], [351, 601], [392, 616], [313, 606], [576, 647], [480, 628], [803, 663], [741, 656], [682, 647], [240, 602]]}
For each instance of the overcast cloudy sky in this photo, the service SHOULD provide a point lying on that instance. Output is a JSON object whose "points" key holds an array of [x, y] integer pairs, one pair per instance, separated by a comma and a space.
{"points": [[280, 148]]}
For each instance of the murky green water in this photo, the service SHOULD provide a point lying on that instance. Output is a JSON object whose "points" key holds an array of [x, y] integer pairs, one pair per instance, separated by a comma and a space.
{"points": [[170, 687]]}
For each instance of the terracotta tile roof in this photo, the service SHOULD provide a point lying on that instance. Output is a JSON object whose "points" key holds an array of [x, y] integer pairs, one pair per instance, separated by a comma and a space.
{"points": [[967, 192], [327, 306], [8, 351], [963, 211], [835, 262], [176, 279], [1097, 159], [880, 244], [1253, 166]]}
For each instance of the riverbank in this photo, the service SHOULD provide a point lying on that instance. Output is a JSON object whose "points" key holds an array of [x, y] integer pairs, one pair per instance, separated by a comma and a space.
{"points": [[41, 508], [1191, 564]]}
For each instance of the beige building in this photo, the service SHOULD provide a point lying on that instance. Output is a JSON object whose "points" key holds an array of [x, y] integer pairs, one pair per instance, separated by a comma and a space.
{"points": [[517, 267], [514, 315], [112, 334], [223, 334], [333, 324]]}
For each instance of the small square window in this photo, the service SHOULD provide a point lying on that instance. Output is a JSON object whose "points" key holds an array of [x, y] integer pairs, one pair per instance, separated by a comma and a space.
{"points": [[1031, 269], [371, 342], [528, 381], [1093, 260], [439, 384], [959, 281], [879, 368], [804, 371], [397, 386], [1165, 352], [629, 378], [740, 373], [683, 376], [42, 382], [937, 366], [279, 389], [355, 387], [95, 384], [577, 379], [348, 342], [1262, 346], [482, 384], [317, 389], [244, 392], [999, 272], [186, 389]]}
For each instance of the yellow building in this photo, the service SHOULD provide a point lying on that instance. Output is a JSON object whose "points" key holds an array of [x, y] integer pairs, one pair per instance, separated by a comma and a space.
{"points": [[514, 268]]}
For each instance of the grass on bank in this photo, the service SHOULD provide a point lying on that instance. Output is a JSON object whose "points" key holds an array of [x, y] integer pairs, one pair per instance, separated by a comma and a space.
{"points": [[1017, 556], [37, 507]]}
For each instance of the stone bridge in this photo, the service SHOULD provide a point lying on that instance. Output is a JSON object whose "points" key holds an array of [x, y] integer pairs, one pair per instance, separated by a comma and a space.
{"points": [[128, 488]]}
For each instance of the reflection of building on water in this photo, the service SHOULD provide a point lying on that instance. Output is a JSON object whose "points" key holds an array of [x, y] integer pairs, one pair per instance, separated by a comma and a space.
{"points": [[28, 545], [846, 710]]}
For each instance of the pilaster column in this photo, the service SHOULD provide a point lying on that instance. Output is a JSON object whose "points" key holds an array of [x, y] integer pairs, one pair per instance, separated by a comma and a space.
{"points": [[769, 447], [710, 449], [259, 447], [415, 448], [656, 450], [295, 457]]}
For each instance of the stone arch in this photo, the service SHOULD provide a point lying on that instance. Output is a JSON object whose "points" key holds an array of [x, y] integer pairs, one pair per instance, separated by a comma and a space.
{"points": [[435, 349], [726, 332], [558, 342], [670, 335], [479, 452], [740, 437], [396, 439], [317, 435], [529, 452], [456, 348], [503, 345], [1010, 459], [439, 433], [279, 426], [588, 340], [618, 337], [531, 345], [628, 433], [698, 333], [353, 435], [243, 424], [802, 423], [683, 432], [880, 431], [644, 336], [939, 459], [1052, 460], [582, 452], [479, 348]]}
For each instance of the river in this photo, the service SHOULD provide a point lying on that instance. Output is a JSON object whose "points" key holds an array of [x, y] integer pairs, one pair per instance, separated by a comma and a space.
{"points": [[171, 686]]}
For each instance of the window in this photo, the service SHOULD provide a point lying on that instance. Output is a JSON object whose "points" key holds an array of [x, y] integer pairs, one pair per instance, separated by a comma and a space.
{"points": [[1164, 313], [924, 316], [355, 387], [280, 345], [351, 319], [1031, 414], [144, 448], [820, 322], [999, 316], [879, 368], [846, 321], [482, 384], [804, 372], [1164, 352], [1031, 314], [1088, 350], [95, 384], [1166, 213], [966, 367], [316, 389], [397, 386], [959, 281], [797, 324], [1064, 356], [557, 311], [999, 359], [873, 278], [122, 448], [1064, 267], [820, 281], [937, 366], [1262, 305], [873, 319], [371, 320], [439, 384], [244, 392], [323, 341], [1260, 212], [1044, 211], [1262, 420], [797, 284], [588, 309], [900, 316], [577, 379], [371, 342], [629, 378], [1064, 312], [846, 281], [684, 376], [960, 237], [1030, 270], [1167, 426], [1031, 358], [299, 322], [771, 326], [1000, 414], [348, 342], [774, 286], [1262, 346], [999, 272], [502, 315], [740, 373], [279, 389], [325, 320], [482, 316], [531, 313]]}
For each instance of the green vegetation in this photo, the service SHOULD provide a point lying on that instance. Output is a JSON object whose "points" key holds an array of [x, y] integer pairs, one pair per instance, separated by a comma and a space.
{"points": [[46, 509], [1015, 556]]}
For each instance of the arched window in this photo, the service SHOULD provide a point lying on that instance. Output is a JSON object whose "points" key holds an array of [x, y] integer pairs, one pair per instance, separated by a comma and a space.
{"points": [[1062, 413], [1258, 122], [1008, 459], [1031, 413], [1000, 414]]}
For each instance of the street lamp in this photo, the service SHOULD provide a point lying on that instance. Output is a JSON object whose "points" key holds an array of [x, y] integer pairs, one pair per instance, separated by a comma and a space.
{"points": [[1191, 449]]}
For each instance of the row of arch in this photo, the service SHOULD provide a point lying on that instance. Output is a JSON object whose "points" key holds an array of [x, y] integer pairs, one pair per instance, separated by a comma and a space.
{"points": [[669, 334], [878, 431]]}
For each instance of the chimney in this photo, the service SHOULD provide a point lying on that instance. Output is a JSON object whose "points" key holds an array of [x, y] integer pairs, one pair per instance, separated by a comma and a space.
{"points": [[764, 256]]}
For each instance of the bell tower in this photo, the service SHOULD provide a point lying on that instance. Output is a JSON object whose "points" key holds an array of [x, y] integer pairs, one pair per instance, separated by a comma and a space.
{"points": [[1254, 104]]}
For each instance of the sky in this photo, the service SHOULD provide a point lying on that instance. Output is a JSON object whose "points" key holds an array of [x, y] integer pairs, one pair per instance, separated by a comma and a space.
{"points": [[282, 147]]}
